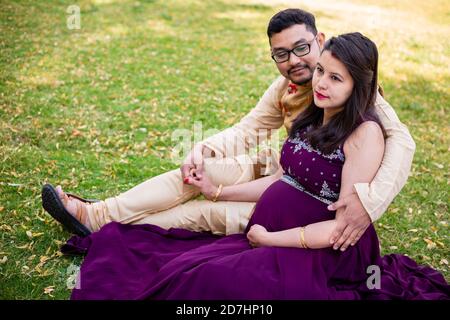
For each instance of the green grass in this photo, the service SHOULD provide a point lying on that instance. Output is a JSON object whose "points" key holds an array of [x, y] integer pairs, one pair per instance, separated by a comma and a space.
{"points": [[73, 102]]}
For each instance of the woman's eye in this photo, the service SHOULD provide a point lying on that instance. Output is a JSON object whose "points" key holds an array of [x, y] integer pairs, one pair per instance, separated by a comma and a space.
{"points": [[335, 78]]}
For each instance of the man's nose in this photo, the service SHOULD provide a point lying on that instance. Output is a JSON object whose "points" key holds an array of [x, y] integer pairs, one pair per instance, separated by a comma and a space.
{"points": [[293, 59]]}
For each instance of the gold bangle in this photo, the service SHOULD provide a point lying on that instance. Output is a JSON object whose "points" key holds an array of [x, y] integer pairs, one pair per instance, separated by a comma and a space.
{"points": [[302, 238], [219, 191]]}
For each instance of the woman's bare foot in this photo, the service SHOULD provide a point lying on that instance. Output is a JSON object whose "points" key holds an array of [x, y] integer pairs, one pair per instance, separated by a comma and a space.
{"points": [[75, 207]]}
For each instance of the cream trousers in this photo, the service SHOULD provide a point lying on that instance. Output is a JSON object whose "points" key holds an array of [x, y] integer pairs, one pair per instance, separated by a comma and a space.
{"points": [[167, 202]]}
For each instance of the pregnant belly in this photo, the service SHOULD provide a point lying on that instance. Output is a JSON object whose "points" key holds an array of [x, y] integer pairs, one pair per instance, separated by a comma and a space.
{"points": [[282, 207]]}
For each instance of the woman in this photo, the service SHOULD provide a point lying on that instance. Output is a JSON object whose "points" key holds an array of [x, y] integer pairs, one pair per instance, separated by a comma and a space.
{"points": [[284, 253]]}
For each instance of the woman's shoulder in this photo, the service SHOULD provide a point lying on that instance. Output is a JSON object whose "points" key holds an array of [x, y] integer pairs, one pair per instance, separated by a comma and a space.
{"points": [[366, 134], [369, 127]]}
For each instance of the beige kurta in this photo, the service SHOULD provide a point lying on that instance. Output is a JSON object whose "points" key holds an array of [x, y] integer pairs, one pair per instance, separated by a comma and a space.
{"points": [[281, 104]]}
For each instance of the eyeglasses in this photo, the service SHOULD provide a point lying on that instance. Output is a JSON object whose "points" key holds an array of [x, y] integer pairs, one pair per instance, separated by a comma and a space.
{"points": [[300, 51]]}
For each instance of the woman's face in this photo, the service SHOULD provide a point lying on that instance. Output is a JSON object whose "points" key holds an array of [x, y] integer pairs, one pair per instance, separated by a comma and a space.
{"points": [[332, 83]]}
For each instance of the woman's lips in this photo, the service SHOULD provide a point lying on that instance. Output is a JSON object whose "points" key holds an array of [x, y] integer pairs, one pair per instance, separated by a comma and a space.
{"points": [[320, 96]]}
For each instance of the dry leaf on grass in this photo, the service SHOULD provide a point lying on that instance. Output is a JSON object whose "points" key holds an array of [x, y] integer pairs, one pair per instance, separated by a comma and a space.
{"points": [[49, 290], [430, 244]]}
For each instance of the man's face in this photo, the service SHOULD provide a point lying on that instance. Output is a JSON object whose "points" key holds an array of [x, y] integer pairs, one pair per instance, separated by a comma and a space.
{"points": [[297, 69]]}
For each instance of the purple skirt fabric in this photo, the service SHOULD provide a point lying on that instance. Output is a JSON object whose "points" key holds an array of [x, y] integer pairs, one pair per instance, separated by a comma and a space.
{"points": [[148, 262]]}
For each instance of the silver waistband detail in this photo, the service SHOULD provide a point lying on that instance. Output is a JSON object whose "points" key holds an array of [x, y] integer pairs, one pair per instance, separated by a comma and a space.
{"points": [[291, 181]]}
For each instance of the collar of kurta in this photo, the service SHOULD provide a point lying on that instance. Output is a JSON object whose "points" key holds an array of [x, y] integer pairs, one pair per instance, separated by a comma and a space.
{"points": [[294, 88], [295, 97]]}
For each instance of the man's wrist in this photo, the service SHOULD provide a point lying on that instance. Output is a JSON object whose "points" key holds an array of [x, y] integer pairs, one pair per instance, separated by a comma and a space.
{"points": [[361, 191]]}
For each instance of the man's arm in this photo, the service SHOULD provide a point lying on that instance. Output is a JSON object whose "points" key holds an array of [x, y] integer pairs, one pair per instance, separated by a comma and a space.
{"points": [[244, 135], [377, 195]]}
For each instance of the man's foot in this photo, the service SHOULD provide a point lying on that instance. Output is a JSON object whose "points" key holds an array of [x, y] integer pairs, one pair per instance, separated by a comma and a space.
{"points": [[75, 207]]}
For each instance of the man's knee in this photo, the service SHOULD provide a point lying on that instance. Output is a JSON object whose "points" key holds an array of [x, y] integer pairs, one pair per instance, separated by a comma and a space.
{"points": [[229, 171]]}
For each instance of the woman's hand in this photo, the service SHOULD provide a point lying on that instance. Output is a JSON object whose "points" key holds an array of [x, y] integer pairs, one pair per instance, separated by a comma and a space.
{"points": [[202, 182], [193, 161], [258, 236]]}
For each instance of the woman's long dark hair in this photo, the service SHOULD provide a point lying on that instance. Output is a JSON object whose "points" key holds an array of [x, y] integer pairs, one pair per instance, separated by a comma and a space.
{"points": [[360, 56]]}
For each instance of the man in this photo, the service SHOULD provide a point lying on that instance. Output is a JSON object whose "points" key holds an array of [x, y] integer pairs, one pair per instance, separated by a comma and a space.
{"points": [[163, 200]]}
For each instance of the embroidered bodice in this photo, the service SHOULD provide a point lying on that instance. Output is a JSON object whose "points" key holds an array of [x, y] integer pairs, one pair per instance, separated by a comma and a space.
{"points": [[311, 171]]}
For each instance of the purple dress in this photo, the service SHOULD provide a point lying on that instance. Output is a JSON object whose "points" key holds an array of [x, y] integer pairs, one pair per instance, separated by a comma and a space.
{"points": [[148, 262]]}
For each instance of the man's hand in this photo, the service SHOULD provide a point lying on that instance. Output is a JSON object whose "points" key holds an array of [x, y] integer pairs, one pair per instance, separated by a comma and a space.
{"points": [[193, 161], [258, 236], [353, 220]]}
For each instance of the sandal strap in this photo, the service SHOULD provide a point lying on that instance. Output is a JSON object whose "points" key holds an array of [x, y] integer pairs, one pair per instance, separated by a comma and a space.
{"points": [[71, 195]]}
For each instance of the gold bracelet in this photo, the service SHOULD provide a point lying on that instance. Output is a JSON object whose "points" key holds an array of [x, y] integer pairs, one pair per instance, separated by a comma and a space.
{"points": [[219, 191], [302, 238]]}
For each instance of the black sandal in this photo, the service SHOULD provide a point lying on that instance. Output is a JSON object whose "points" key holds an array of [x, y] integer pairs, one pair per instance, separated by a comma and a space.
{"points": [[54, 206]]}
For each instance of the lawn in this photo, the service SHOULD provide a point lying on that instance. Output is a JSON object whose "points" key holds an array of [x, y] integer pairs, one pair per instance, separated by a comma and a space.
{"points": [[94, 109]]}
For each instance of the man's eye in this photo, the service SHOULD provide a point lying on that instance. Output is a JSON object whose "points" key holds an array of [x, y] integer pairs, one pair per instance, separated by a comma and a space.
{"points": [[301, 49], [281, 55]]}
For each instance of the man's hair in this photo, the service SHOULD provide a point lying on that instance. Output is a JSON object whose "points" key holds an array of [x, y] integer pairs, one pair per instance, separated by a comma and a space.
{"points": [[289, 17]]}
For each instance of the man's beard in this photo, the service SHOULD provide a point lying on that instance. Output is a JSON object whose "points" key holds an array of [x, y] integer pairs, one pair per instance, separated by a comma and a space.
{"points": [[304, 81]]}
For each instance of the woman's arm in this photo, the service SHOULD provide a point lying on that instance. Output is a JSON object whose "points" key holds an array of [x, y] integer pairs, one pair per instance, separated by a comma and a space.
{"points": [[314, 236], [250, 191], [363, 154], [247, 192]]}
